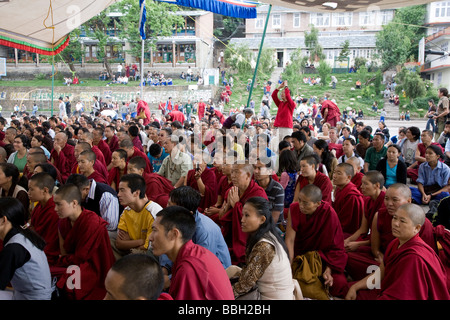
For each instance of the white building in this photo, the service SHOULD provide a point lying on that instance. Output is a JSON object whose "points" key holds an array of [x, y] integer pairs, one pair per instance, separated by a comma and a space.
{"points": [[286, 29], [437, 67]]}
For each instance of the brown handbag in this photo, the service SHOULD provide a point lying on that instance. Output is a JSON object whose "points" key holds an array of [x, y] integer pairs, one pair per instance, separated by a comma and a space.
{"points": [[307, 270]]}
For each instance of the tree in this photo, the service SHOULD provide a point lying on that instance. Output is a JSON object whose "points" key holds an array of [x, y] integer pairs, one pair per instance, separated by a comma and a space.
{"points": [[398, 40], [393, 45], [239, 59], [345, 51], [313, 46], [161, 22], [73, 52], [267, 62], [411, 83], [292, 72], [324, 70]]}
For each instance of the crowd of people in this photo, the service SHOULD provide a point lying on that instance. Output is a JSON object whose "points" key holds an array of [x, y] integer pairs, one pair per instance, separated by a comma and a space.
{"points": [[191, 204]]}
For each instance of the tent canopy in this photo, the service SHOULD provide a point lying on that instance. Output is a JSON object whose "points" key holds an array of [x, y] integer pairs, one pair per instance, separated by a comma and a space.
{"points": [[344, 5], [27, 24]]}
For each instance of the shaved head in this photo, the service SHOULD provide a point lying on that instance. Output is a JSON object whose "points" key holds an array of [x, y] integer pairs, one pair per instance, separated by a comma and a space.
{"points": [[348, 169], [415, 213], [312, 192], [375, 177], [403, 189]]}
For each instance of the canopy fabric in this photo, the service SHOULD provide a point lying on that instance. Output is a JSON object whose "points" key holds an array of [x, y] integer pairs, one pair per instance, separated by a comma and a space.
{"points": [[344, 5], [233, 8], [27, 24]]}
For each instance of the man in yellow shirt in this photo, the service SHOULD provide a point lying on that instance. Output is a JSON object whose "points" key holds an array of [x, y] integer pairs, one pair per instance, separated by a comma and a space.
{"points": [[135, 224]]}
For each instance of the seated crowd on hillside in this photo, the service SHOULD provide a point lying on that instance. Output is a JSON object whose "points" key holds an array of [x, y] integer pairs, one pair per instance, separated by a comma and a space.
{"points": [[197, 205]]}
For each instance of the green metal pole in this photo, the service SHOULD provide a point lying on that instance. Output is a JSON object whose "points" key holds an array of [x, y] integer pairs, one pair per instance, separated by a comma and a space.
{"points": [[53, 80], [259, 55]]}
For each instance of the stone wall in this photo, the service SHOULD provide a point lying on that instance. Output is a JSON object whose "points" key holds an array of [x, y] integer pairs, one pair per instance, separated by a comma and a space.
{"points": [[10, 96]]}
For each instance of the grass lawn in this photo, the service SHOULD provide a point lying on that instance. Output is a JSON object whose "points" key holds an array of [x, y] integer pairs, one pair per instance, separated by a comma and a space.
{"points": [[343, 94]]}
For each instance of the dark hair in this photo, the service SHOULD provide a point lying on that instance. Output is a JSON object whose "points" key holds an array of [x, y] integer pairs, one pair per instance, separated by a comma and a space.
{"points": [[396, 147], [25, 140], [78, 180], [14, 211], [299, 135], [48, 168], [444, 91], [186, 197], [327, 156], [133, 131], [268, 229], [135, 182], [415, 131], [365, 134], [138, 162], [155, 149], [10, 170], [122, 153], [180, 218], [436, 149], [43, 180], [69, 192], [143, 276], [288, 161]]}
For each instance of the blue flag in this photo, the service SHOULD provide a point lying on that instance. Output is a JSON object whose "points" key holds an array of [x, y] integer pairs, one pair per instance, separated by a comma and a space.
{"points": [[142, 19]]}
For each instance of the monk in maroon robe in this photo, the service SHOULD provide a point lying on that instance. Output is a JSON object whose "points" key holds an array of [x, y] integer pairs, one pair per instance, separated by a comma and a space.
{"points": [[105, 150], [62, 155], [44, 219], [197, 274], [372, 184], [85, 244], [244, 187], [313, 225], [381, 232], [143, 109], [310, 175], [158, 188], [111, 139], [204, 181], [411, 269], [330, 112], [348, 201]]}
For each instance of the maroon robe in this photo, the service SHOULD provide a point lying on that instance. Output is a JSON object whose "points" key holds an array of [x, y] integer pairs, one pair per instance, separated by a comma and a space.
{"points": [[113, 144], [97, 177], [44, 221], [177, 116], [359, 261], [105, 150], [98, 167], [197, 274], [138, 153], [349, 206], [209, 180], [88, 246], [322, 181], [334, 114], [158, 188], [337, 147], [114, 176], [138, 144], [413, 272], [357, 180], [442, 235], [143, 106], [65, 161], [322, 232], [371, 207], [231, 223]]}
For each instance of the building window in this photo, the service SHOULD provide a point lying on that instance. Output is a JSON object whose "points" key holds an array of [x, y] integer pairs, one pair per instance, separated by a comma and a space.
{"points": [[320, 19], [444, 47], [342, 19], [442, 9], [296, 20], [439, 78], [367, 18], [385, 16], [276, 20], [259, 23]]}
